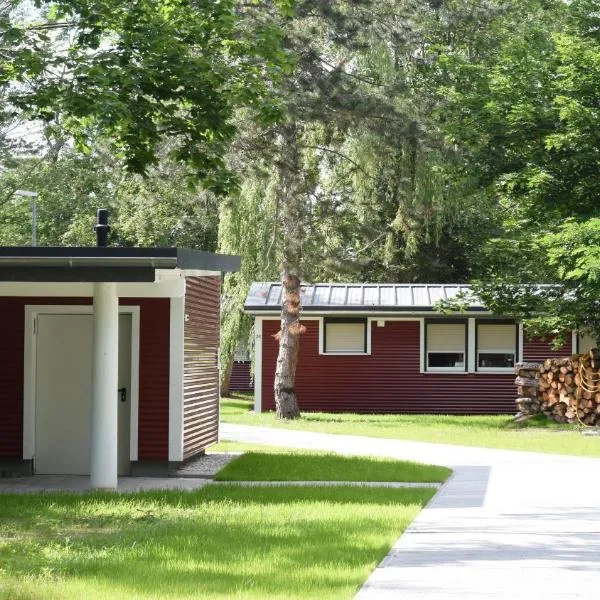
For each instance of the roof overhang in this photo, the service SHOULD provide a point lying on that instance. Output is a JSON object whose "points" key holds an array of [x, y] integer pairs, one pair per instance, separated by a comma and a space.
{"points": [[361, 298], [365, 310], [89, 264]]}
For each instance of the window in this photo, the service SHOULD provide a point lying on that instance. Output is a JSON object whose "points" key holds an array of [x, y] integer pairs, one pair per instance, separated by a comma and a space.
{"points": [[496, 345], [446, 346], [345, 336]]}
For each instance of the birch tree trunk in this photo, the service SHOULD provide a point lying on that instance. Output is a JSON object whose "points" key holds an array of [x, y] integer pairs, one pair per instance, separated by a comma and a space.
{"points": [[292, 217]]}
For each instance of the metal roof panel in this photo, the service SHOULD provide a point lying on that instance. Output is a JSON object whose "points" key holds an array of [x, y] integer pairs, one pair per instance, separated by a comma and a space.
{"points": [[357, 296]]}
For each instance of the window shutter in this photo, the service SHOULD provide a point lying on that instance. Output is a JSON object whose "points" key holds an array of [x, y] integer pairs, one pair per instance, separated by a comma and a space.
{"points": [[442, 337], [345, 338], [494, 337]]}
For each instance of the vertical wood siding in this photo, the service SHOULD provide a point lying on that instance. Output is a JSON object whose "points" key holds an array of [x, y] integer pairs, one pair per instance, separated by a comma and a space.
{"points": [[241, 379], [201, 369], [154, 373], [388, 381]]}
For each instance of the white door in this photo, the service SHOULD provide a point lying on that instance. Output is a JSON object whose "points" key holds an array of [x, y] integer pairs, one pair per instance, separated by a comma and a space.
{"points": [[63, 389]]}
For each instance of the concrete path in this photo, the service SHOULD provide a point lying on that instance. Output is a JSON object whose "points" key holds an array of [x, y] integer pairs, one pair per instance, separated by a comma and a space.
{"points": [[507, 525], [191, 476], [74, 483]]}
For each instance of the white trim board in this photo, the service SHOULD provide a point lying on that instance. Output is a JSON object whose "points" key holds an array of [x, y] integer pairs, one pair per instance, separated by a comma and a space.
{"points": [[164, 288], [176, 356], [258, 333], [411, 315], [29, 369]]}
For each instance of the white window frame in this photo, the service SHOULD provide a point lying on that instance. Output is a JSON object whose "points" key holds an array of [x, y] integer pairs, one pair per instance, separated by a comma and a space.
{"points": [[514, 351], [322, 351], [425, 351]]}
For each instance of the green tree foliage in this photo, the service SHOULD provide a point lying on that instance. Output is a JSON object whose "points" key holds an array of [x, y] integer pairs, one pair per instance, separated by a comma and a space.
{"points": [[395, 202], [158, 209], [142, 72], [570, 256], [246, 229], [529, 128]]}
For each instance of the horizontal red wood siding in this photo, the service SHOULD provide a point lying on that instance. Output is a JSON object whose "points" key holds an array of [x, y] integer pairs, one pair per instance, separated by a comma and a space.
{"points": [[11, 378], [153, 415], [154, 373], [387, 381], [241, 379], [538, 350], [201, 364]]}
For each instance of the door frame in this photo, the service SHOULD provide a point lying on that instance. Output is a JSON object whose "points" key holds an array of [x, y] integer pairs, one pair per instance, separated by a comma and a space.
{"points": [[32, 311]]}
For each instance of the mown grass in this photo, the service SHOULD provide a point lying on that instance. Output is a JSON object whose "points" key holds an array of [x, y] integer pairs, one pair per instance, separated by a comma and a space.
{"points": [[217, 542], [255, 466], [488, 431]]}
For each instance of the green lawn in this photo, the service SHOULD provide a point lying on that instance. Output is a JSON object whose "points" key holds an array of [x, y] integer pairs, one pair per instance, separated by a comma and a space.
{"points": [[218, 542], [255, 466], [492, 431]]}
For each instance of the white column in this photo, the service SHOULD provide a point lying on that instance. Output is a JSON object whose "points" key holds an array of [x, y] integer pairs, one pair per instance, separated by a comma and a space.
{"points": [[472, 349], [104, 440], [176, 357], [258, 329], [521, 357]]}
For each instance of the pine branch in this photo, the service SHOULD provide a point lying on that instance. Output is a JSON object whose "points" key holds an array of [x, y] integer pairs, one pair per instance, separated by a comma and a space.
{"points": [[344, 156], [339, 69]]}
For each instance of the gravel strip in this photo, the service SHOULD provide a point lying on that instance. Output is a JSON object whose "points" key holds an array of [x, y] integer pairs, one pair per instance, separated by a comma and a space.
{"points": [[206, 466]]}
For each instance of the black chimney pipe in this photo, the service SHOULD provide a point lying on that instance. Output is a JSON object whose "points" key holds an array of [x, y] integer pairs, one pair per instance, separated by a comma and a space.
{"points": [[102, 228]]}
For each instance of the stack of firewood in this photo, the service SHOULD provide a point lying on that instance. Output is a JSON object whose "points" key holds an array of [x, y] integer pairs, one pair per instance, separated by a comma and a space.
{"points": [[569, 388], [566, 390], [528, 404]]}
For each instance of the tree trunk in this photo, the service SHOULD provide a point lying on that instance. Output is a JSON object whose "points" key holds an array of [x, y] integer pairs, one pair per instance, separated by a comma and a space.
{"points": [[289, 344], [226, 370], [292, 217]]}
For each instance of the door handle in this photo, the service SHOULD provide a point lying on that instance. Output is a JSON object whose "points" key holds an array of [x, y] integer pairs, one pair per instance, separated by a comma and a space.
{"points": [[123, 394]]}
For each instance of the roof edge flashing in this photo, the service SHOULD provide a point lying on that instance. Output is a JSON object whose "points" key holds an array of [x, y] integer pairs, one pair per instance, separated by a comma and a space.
{"points": [[109, 263]]}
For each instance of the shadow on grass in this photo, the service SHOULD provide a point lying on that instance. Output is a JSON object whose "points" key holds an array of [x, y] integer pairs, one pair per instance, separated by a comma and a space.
{"points": [[211, 542]]}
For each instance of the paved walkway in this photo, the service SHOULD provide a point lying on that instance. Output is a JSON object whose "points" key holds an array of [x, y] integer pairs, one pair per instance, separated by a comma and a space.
{"points": [[507, 525], [74, 483], [191, 476]]}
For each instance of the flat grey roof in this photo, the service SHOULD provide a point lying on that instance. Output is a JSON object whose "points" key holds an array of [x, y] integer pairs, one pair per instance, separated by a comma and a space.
{"points": [[266, 296], [63, 263]]}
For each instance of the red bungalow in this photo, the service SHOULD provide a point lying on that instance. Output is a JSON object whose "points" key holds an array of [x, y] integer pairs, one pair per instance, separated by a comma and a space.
{"points": [[380, 348], [108, 359]]}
